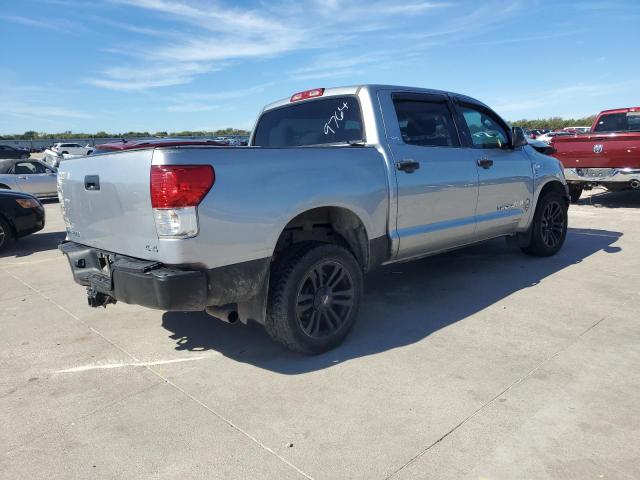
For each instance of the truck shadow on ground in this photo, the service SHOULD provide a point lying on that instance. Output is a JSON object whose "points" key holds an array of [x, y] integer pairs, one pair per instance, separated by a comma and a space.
{"points": [[606, 199], [38, 242], [403, 304]]}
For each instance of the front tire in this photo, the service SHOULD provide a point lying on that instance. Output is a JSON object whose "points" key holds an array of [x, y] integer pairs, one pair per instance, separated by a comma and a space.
{"points": [[314, 296], [6, 234], [549, 226], [575, 190]]}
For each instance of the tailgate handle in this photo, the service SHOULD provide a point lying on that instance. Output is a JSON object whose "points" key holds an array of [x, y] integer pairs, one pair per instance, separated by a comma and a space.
{"points": [[92, 182]]}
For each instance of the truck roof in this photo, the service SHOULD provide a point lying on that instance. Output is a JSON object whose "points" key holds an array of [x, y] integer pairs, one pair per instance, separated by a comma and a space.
{"points": [[621, 110], [155, 143], [372, 88]]}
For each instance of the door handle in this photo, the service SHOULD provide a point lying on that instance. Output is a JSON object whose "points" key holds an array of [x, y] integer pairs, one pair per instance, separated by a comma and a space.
{"points": [[22, 177], [92, 182], [485, 163], [408, 166]]}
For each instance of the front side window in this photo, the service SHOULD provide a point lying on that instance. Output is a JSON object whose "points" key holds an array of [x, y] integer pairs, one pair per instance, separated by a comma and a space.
{"points": [[316, 122], [26, 168], [486, 132], [427, 124]]}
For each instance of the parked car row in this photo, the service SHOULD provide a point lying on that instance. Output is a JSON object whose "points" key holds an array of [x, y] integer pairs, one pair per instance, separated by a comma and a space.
{"points": [[7, 151]]}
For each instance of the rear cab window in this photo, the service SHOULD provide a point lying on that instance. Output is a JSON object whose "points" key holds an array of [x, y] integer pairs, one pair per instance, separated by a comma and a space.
{"points": [[326, 121], [619, 122]]}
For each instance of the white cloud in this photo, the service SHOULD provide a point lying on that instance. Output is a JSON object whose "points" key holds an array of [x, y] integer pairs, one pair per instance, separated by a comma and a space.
{"points": [[208, 101], [214, 33], [556, 97], [132, 78], [33, 110], [56, 25]]}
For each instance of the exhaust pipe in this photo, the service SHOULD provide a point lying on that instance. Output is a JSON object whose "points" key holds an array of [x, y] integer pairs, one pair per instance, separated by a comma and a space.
{"points": [[226, 313], [635, 184]]}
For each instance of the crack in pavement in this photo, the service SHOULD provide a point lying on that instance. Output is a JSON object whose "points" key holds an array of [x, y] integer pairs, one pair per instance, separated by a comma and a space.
{"points": [[493, 399], [228, 421]]}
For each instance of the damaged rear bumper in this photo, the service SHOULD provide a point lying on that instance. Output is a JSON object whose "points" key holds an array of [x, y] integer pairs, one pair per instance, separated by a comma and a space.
{"points": [[111, 277], [135, 281]]}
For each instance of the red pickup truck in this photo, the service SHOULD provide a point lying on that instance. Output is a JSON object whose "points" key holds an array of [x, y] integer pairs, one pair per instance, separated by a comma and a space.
{"points": [[608, 155]]}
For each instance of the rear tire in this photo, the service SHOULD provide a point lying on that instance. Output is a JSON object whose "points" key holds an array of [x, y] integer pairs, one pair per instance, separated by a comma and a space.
{"points": [[549, 226], [575, 190], [6, 234], [314, 297]]}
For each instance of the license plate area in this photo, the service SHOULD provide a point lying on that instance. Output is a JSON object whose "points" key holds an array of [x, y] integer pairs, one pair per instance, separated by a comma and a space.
{"points": [[595, 172]]}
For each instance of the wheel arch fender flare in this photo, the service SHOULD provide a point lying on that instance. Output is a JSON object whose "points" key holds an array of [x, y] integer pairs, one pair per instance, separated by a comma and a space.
{"points": [[351, 223]]}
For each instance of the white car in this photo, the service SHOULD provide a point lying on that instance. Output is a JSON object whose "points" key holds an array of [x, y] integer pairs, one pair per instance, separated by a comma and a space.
{"points": [[546, 138], [72, 149]]}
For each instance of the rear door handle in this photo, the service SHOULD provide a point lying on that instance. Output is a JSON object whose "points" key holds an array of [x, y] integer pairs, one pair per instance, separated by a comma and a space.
{"points": [[22, 177], [408, 166], [485, 163]]}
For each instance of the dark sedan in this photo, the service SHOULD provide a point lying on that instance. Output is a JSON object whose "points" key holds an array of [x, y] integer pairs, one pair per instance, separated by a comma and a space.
{"points": [[20, 215], [7, 151]]}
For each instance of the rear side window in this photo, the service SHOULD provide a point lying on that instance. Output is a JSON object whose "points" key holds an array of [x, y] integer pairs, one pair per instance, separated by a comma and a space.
{"points": [[427, 124], [316, 122], [619, 122]]}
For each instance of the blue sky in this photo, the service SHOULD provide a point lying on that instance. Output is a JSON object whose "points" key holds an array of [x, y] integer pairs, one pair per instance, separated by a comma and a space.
{"points": [[154, 65]]}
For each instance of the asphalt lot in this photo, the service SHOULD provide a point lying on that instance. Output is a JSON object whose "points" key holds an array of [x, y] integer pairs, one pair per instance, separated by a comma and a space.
{"points": [[479, 364]]}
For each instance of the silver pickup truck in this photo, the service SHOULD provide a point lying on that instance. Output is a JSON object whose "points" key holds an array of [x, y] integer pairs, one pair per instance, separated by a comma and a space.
{"points": [[334, 183]]}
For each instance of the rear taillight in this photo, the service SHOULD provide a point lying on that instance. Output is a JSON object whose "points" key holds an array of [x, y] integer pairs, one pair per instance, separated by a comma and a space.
{"points": [[175, 186], [176, 191]]}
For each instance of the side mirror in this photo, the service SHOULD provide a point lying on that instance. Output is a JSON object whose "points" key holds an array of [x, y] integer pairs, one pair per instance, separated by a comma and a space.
{"points": [[518, 139]]}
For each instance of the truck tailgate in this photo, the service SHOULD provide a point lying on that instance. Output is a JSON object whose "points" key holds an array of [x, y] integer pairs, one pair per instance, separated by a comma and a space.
{"points": [[106, 202], [618, 150]]}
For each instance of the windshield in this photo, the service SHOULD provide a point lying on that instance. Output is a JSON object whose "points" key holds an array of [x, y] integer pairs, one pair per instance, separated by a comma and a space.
{"points": [[318, 122], [619, 122]]}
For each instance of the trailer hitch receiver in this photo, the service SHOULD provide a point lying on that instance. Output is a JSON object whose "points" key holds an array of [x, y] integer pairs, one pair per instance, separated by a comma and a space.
{"points": [[98, 299]]}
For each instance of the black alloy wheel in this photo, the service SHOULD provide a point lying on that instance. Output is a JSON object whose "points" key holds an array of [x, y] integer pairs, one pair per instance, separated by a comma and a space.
{"points": [[549, 226], [325, 299], [552, 226], [315, 290]]}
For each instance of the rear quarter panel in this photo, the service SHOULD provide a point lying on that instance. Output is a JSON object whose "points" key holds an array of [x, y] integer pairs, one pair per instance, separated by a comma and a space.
{"points": [[257, 191]]}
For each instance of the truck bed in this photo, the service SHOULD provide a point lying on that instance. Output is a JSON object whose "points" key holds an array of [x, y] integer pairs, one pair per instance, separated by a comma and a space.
{"points": [[618, 150], [257, 191]]}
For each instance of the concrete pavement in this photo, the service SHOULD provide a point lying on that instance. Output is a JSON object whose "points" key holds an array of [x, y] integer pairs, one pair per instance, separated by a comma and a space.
{"points": [[482, 363]]}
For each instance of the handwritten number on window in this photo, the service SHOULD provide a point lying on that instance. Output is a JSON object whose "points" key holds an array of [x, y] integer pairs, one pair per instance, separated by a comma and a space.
{"points": [[336, 118]]}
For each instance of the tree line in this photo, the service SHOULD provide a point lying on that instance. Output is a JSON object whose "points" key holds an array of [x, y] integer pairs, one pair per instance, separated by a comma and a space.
{"points": [[554, 123], [68, 135]]}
